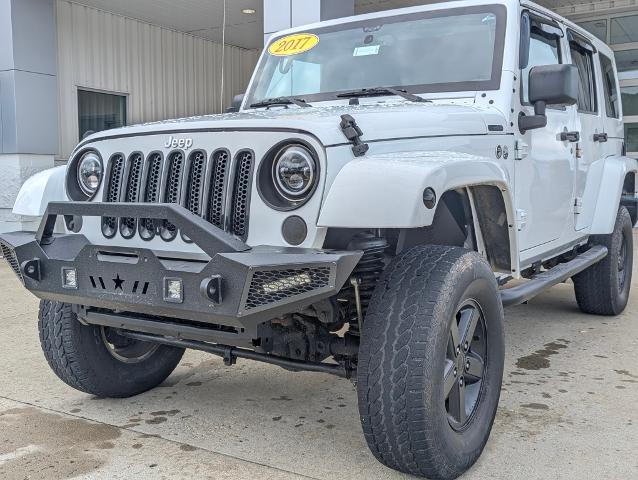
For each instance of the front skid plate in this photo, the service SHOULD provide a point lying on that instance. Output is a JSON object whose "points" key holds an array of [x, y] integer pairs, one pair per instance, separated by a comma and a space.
{"points": [[257, 285]]}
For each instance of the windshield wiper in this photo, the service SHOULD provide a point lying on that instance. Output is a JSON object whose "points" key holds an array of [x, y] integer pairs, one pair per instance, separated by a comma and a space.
{"points": [[380, 91], [269, 102]]}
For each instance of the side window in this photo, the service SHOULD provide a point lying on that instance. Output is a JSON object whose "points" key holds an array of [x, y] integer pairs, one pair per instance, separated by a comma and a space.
{"points": [[583, 58], [544, 49], [612, 101]]}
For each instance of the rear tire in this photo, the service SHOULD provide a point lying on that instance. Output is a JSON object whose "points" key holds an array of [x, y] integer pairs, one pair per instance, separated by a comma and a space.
{"points": [[603, 289], [414, 362], [96, 360]]}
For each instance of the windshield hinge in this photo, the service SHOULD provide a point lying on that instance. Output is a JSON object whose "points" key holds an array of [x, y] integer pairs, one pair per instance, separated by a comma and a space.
{"points": [[353, 133], [521, 151]]}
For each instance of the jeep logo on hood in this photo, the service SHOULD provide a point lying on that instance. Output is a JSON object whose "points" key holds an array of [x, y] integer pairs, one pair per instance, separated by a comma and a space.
{"points": [[184, 143]]}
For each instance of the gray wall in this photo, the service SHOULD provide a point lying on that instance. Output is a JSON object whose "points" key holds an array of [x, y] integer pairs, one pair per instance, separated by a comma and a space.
{"points": [[28, 84], [283, 14]]}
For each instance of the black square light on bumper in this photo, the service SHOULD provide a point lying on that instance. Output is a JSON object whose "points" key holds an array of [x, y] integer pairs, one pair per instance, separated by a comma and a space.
{"points": [[173, 290], [236, 289], [70, 278]]}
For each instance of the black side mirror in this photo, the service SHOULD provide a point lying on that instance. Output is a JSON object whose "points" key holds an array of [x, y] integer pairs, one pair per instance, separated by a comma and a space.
{"points": [[549, 85], [236, 105]]}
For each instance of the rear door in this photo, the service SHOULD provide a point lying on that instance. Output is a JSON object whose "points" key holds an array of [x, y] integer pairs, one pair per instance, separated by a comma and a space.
{"points": [[591, 136], [612, 109]]}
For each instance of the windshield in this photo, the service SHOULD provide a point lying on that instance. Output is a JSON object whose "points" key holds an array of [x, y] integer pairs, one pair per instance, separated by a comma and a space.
{"points": [[450, 50]]}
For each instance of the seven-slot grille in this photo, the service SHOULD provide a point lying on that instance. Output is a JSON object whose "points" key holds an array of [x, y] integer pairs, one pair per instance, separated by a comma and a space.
{"points": [[216, 187]]}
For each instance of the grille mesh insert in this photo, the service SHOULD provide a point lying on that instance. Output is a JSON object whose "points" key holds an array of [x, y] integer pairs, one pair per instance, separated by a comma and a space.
{"points": [[196, 177], [173, 182], [10, 256], [271, 286], [132, 192], [113, 189], [241, 194], [218, 182], [173, 187], [151, 192]]}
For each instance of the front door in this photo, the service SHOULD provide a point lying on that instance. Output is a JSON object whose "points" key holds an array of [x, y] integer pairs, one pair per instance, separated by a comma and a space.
{"points": [[546, 159]]}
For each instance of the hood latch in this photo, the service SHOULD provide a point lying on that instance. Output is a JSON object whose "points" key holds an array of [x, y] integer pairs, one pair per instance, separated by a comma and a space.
{"points": [[353, 133]]}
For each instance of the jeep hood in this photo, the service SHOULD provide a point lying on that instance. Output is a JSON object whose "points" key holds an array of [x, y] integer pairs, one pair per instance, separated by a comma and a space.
{"points": [[381, 121]]}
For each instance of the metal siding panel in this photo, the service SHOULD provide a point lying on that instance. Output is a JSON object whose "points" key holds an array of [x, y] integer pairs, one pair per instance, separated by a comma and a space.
{"points": [[166, 74]]}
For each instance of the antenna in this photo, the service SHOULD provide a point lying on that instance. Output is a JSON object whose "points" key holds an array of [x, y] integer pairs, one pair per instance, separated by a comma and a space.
{"points": [[221, 95]]}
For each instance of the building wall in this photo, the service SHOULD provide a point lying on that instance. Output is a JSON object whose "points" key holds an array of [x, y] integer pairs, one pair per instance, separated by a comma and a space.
{"points": [[164, 73], [616, 23], [28, 99]]}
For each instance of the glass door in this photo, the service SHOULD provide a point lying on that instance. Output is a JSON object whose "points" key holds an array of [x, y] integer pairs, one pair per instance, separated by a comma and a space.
{"points": [[620, 31]]}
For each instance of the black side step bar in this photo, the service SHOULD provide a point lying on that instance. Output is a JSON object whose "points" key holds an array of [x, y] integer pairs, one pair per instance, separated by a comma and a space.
{"points": [[547, 279]]}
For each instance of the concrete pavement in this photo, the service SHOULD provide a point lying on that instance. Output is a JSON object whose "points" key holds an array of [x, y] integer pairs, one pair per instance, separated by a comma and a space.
{"points": [[568, 409]]}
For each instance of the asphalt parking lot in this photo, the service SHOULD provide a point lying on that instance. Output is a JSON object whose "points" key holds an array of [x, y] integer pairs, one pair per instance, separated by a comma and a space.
{"points": [[568, 409]]}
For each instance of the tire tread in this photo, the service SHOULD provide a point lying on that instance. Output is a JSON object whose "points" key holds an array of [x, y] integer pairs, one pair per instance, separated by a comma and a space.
{"points": [[595, 289], [394, 418], [77, 355]]}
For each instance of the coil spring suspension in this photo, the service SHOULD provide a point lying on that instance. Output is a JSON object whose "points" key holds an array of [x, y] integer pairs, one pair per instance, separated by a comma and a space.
{"points": [[364, 277]]}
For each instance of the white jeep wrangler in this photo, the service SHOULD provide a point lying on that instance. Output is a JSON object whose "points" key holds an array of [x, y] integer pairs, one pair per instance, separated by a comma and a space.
{"points": [[360, 214]]}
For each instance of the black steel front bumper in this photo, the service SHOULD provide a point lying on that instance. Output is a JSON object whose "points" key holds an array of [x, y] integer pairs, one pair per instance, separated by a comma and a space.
{"points": [[228, 296]]}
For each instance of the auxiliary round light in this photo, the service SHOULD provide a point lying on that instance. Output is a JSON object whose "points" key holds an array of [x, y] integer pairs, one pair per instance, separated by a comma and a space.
{"points": [[294, 230]]}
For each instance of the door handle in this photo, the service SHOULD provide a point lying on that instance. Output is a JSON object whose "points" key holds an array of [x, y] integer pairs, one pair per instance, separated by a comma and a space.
{"points": [[600, 137], [570, 137]]}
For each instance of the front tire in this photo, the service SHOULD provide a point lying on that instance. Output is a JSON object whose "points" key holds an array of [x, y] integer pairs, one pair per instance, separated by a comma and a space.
{"points": [[96, 360], [603, 289], [431, 362]]}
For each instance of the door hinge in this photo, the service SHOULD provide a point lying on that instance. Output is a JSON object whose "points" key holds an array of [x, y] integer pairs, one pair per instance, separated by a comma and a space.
{"points": [[521, 150], [521, 219], [578, 205]]}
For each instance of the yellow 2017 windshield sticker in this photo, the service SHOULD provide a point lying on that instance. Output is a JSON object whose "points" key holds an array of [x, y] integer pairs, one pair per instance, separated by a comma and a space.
{"points": [[293, 44]]}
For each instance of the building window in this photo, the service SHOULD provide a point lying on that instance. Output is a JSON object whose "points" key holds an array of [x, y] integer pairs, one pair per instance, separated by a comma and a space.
{"points": [[624, 30], [631, 138], [629, 100], [597, 28], [100, 111], [609, 87], [626, 60]]}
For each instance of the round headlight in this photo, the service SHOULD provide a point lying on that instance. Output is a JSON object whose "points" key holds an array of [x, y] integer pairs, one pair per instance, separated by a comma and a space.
{"points": [[90, 173], [294, 171]]}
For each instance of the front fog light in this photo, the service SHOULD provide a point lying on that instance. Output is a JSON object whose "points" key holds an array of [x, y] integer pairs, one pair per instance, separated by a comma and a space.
{"points": [[287, 283], [173, 290], [70, 278]]}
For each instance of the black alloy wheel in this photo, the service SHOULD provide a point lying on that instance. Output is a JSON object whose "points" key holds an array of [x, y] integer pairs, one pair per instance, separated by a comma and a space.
{"points": [[465, 364]]}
